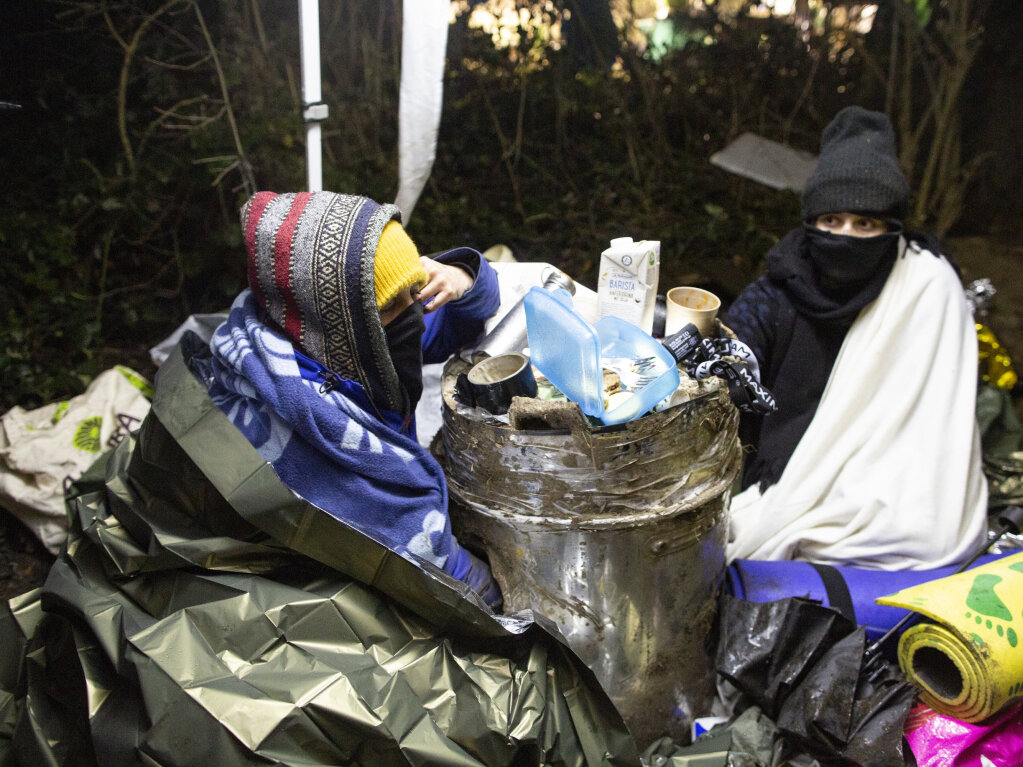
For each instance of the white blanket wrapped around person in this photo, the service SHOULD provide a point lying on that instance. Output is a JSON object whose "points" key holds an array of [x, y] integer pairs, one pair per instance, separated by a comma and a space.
{"points": [[888, 473]]}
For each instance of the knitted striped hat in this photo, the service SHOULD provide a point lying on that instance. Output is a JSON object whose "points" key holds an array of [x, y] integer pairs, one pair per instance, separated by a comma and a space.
{"points": [[319, 267], [858, 170]]}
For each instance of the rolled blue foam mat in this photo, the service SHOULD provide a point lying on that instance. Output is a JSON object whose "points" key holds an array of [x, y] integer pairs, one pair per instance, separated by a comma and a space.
{"points": [[850, 590]]}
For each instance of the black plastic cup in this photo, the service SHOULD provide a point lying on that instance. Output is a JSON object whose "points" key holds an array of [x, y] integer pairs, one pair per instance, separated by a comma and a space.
{"points": [[492, 383]]}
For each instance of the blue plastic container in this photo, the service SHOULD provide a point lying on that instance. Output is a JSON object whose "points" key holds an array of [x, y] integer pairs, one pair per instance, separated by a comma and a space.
{"points": [[568, 350]]}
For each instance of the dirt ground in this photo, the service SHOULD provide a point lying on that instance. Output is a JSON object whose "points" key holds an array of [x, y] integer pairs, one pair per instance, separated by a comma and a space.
{"points": [[24, 562]]}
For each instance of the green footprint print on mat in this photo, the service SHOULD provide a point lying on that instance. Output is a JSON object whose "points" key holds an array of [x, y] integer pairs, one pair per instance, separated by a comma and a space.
{"points": [[987, 608]]}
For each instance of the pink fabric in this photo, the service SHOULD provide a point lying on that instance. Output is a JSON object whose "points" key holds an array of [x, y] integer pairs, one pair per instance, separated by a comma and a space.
{"points": [[941, 741]]}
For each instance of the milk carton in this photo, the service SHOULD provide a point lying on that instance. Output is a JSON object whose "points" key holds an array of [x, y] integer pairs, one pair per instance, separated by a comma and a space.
{"points": [[627, 282]]}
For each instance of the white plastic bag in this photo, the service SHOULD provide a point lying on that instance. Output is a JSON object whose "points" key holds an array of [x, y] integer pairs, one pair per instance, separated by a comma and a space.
{"points": [[203, 325], [43, 451]]}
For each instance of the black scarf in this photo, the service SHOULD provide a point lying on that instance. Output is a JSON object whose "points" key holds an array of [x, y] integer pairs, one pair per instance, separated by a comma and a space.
{"points": [[831, 277], [405, 343], [826, 280]]}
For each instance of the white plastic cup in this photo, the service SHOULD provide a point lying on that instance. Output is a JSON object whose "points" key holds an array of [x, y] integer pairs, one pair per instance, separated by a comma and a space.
{"points": [[696, 305]]}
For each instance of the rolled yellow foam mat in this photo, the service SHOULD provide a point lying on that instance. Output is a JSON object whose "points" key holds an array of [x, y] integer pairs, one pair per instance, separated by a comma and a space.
{"points": [[969, 661]]}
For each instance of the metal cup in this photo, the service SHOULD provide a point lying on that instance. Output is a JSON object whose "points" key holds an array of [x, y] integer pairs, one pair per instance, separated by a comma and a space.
{"points": [[509, 335], [492, 383], [695, 305]]}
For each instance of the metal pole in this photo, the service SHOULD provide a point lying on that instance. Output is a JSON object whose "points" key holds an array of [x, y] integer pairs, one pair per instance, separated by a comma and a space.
{"points": [[313, 109]]}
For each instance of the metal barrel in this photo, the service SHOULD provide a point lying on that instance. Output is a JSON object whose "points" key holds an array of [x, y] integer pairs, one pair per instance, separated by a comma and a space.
{"points": [[617, 534], [509, 334]]}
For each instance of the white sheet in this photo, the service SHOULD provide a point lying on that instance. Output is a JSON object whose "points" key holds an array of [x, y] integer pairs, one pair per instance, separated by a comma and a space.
{"points": [[424, 36], [888, 474]]}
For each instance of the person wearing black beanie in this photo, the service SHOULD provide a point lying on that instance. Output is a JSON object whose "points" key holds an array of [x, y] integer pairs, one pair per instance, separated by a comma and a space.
{"points": [[822, 277], [858, 169], [819, 278]]}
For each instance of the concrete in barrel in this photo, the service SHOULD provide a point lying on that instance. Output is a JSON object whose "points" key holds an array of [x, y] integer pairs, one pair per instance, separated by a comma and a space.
{"points": [[616, 534]]}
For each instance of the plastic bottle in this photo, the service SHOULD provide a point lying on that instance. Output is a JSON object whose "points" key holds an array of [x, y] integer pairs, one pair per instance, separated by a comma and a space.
{"points": [[509, 335]]}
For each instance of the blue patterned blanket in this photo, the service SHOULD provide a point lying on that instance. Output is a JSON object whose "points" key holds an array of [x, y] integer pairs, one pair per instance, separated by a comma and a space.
{"points": [[327, 448]]}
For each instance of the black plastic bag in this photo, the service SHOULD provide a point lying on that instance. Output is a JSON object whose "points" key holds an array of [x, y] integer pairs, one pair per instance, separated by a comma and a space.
{"points": [[802, 664]]}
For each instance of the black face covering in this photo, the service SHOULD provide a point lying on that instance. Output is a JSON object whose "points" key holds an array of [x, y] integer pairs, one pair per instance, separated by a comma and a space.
{"points": [[845, 264], [830, 278], [405, 343]]}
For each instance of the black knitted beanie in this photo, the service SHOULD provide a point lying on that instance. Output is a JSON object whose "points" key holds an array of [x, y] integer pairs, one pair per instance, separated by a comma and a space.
{"points": [[858, 170]]}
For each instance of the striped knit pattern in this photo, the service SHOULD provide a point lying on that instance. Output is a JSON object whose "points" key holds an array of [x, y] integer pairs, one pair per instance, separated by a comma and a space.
{"points": [[310, 268]]}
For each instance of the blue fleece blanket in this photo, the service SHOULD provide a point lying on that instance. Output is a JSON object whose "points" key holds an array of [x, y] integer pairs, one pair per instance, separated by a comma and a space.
{"points": [[326, 448]]}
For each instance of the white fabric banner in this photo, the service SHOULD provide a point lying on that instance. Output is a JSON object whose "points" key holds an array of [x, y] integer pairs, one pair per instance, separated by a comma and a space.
{"points": [[424, 38]]}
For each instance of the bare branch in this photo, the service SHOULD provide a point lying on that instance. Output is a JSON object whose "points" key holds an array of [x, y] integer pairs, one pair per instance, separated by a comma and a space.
{"points": [[122, 89], [180, 67], [247, 177]]}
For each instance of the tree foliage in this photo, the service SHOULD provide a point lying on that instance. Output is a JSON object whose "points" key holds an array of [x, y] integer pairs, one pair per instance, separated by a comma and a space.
{"points": [[144, 126]]}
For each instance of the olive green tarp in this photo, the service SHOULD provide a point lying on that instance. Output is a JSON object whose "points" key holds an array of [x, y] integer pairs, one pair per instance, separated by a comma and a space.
{"points": [[202, 613]]}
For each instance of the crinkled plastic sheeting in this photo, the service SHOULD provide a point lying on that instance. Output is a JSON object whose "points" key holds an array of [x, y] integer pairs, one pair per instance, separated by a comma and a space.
{"points": [[944, 741], [615, 533], [203, 614], [802, 665], [662, 462], [1002, 442]]}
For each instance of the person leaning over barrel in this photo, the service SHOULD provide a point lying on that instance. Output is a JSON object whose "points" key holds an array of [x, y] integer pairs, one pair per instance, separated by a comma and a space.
{"points": [[866, 340], [319, 363]]}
